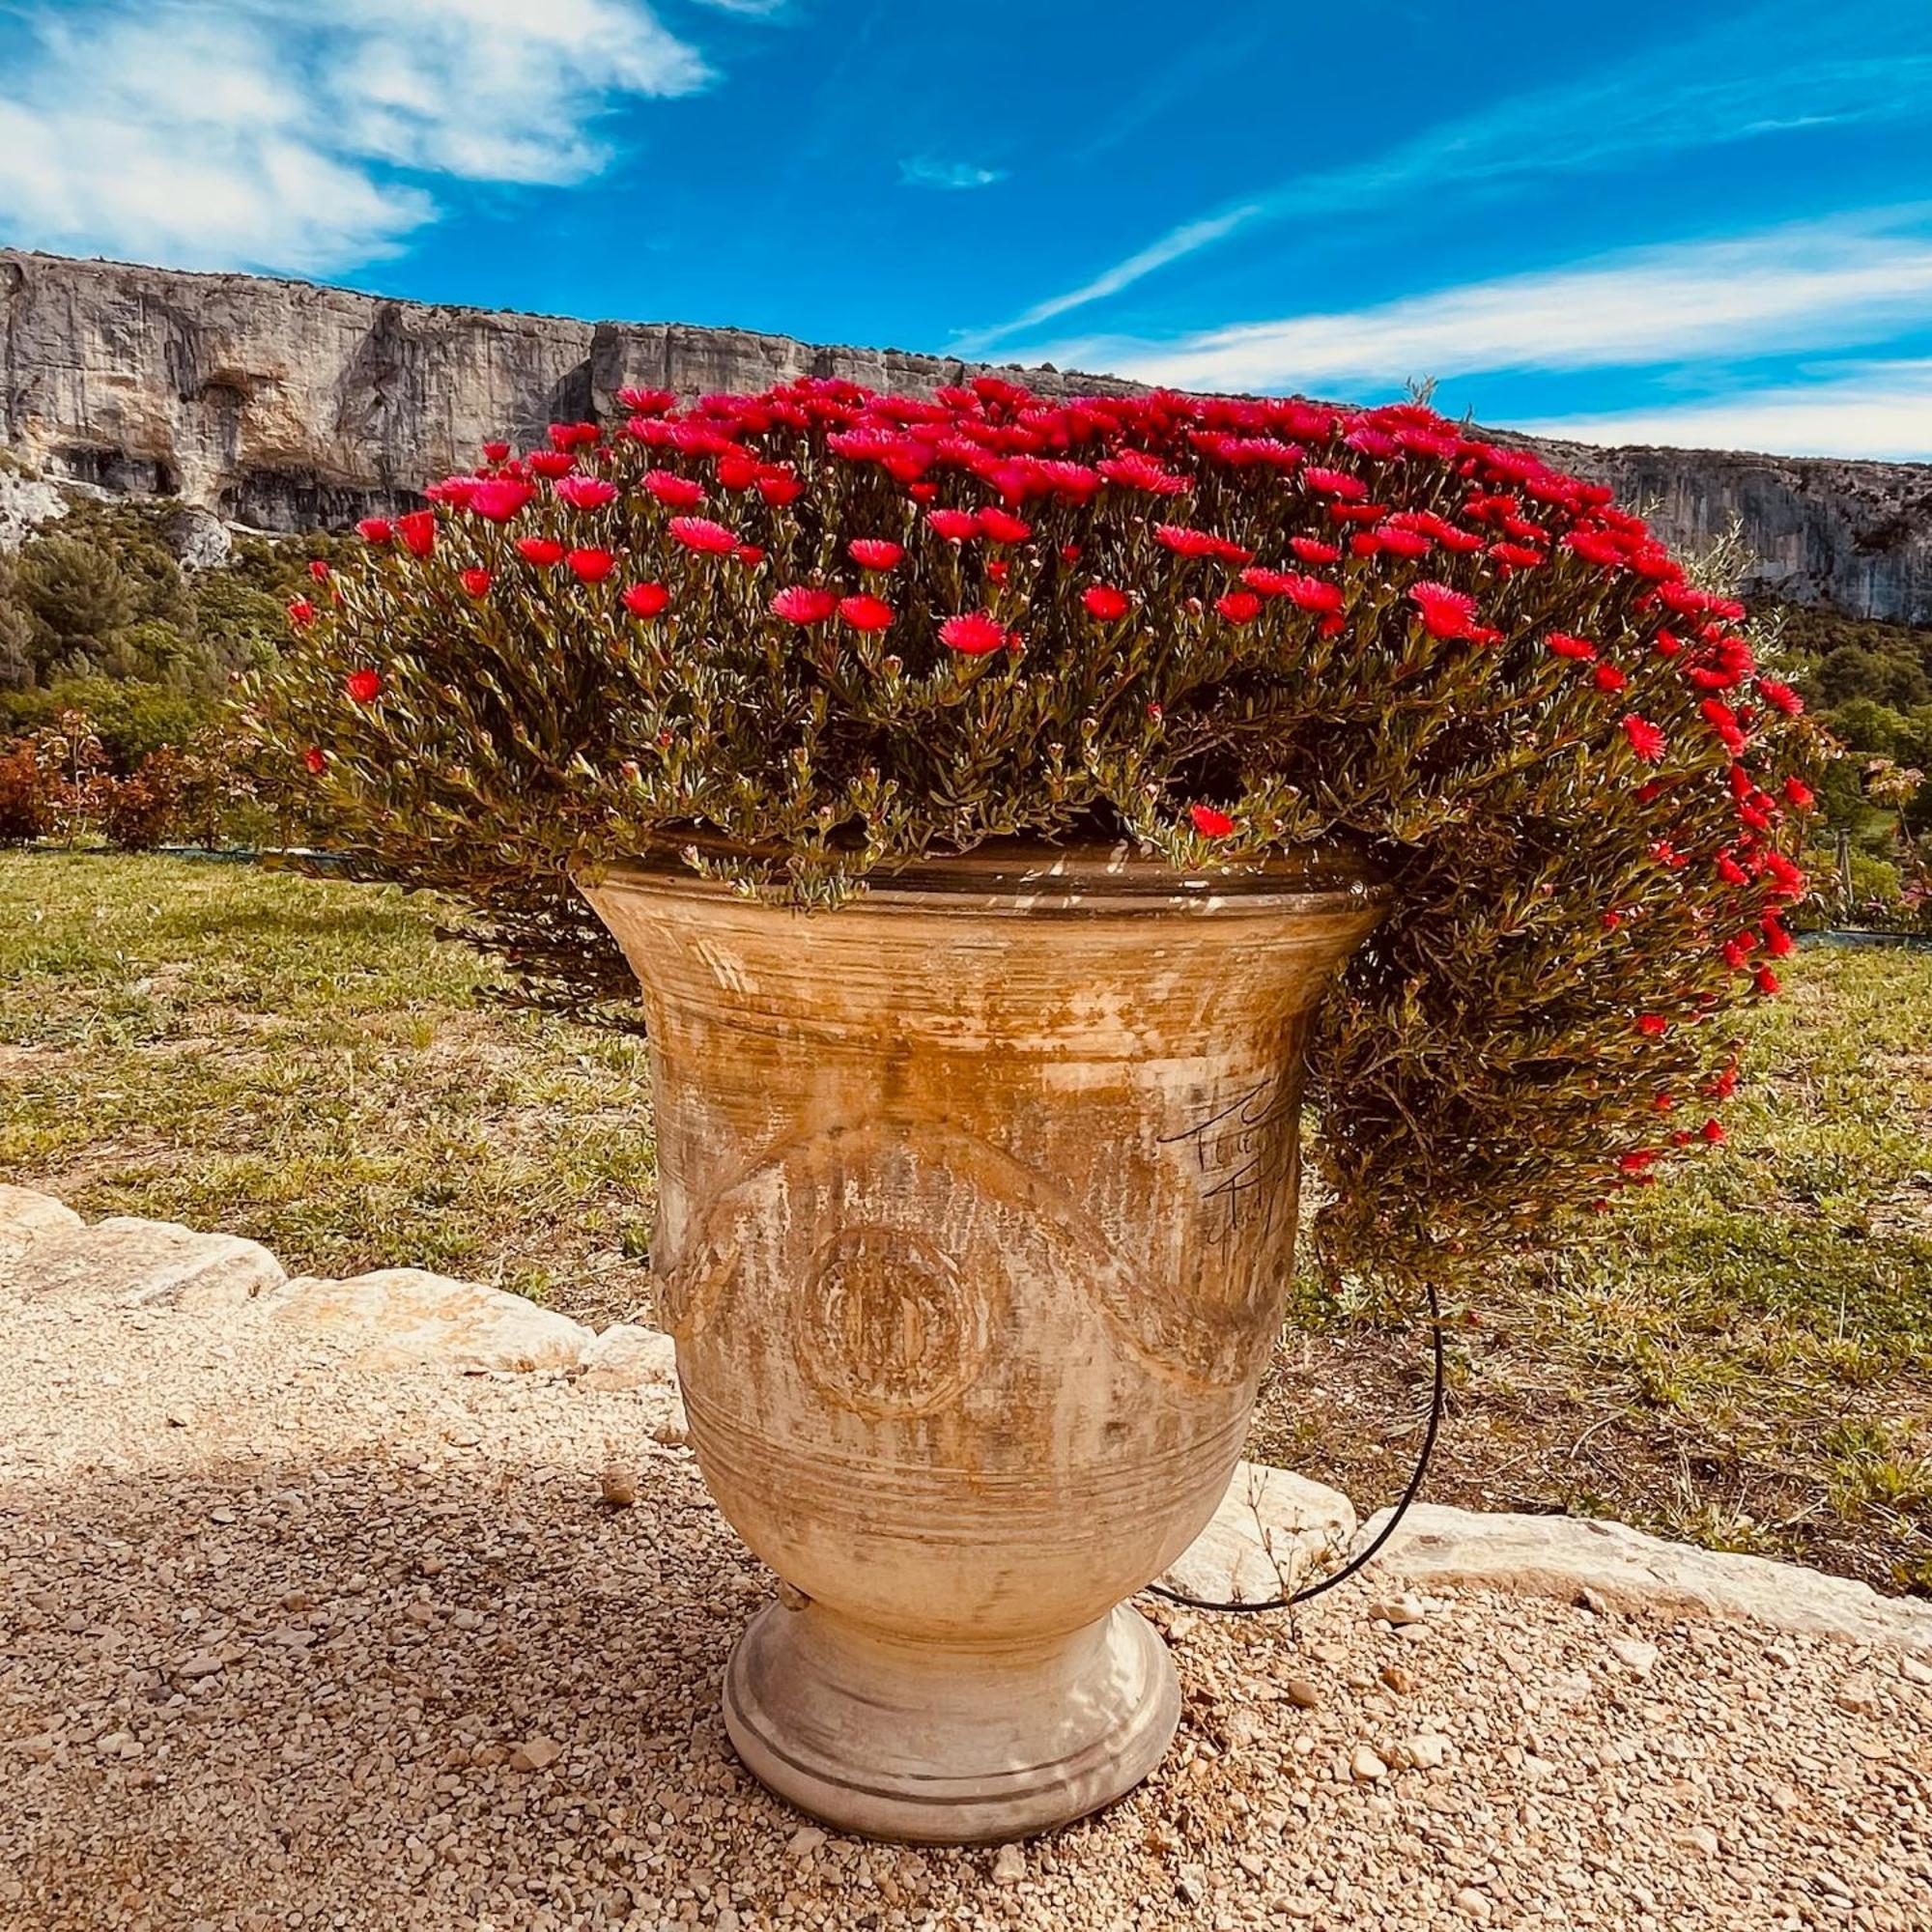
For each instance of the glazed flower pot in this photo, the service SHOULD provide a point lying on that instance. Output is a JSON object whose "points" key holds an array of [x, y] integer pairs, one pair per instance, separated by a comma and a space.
{"points": [[977, 1206]]}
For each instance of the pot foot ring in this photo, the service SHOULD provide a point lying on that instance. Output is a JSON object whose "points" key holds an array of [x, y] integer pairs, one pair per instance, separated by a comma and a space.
{"points": [[942, 1743]]}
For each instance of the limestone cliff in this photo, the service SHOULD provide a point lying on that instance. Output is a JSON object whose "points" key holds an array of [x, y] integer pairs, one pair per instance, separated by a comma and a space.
{"points": [[285, 405]]}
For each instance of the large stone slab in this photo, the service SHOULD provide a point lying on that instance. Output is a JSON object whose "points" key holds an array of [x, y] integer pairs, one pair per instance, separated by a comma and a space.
{"points": [[136, 1263], [25, 1215], [1271, 1533], [409, 1318], [1562, 1556], [630, 1357]]}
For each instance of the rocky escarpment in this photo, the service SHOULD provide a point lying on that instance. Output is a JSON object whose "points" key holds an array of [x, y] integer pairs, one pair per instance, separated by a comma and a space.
{"points": [[285, 405]]}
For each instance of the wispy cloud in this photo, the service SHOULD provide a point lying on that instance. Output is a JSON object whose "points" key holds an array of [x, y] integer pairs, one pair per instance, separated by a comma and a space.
{"points": [[1880, 410], [1773, 71], [924, 172], [278, 134], [1793, 288]]}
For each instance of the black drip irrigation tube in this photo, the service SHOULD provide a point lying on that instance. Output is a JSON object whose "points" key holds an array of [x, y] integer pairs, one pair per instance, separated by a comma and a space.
{"points": [[1362, 1557]]}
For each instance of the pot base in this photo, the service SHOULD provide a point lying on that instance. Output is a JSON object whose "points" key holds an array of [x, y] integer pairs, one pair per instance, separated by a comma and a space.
{"points": [[947, 1744]]}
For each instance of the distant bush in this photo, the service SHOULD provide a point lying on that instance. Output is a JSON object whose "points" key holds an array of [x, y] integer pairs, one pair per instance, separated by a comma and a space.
{"points": [[25, 805]]}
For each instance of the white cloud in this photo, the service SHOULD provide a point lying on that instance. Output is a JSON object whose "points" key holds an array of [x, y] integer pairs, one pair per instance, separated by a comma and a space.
{"points": [[1880, 409], [1783, 290], [926, 173], [281, 134], [1778, 69]]}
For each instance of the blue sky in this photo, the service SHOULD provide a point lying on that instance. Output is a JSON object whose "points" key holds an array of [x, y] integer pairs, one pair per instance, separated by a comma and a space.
{"points": [[1698, 223]]}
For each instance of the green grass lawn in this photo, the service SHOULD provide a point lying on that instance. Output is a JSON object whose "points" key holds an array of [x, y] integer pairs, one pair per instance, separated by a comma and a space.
{"points": [[1742, 1356]]}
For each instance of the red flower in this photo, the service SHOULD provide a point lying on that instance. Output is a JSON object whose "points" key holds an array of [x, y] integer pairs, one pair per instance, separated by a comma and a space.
{"points": [[1210, 822], [955, 526], [1566, 646], [645, 600], [1640, 1161], [1104, 602], [318, 570], [874, 552], [751, 555], [865, 614], [363, 686], [1445, 612], [1767, 980], [1713, 1131], [1645, 739], [499, 498], [417, 531], [675, 492], [552, 462], [1777, 942], [780, 487], [1783, 695], [1335, 483], [1799, 795], [375, 530], [543, 551], [1135, 470], [301, 613], [476, 582], [974, 633], [586, 492], [800, 604], [495, 452], [1653, 1024], [590, 566], [316, 759], [1607, 677], [1312, 549], [1001, 526], [701, 533], [1238, 606], [1185, 542]]}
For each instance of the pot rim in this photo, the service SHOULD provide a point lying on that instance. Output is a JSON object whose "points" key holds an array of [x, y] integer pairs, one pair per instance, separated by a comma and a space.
{"points": [[1026, 875]]}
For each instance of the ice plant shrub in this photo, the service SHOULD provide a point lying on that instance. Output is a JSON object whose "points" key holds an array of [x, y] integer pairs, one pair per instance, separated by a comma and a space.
{"points": [[806, 636]]}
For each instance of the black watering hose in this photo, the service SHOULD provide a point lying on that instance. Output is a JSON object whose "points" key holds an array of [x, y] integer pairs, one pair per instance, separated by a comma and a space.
{"points": [[1387, 1530]]}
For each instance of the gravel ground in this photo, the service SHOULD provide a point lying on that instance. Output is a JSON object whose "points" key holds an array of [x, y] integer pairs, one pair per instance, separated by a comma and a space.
{"points": [[286, 1645]]}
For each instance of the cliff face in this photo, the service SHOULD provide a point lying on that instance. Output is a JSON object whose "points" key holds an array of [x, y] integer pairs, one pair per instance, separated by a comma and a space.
{"points": [[285, 405]]}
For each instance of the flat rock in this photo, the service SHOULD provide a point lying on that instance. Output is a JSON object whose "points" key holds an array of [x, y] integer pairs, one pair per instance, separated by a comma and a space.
{"points": [[26, 1215], [1270, 1533], [135, 1263], [1562, 1556], [407, 1318], [630, 1357]]}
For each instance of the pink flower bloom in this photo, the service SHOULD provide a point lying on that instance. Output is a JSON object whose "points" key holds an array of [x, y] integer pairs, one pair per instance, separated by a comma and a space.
{"points": [[874, 552], [1645, 739], [1210, 822], [301, 613], [1566, 646], [495, 452], [701, 533], [1238, 606], [375, 530], [645, 600], [476, 582], [1312, 549], [586, 492], [1445, 612], [543, 551], [866, 613], [499, 498], [974, 633], [1104, 602], [802, 604], [590, 566], [364, 687], [955, 526], [674, 491], [1335, 483], [417, 531], [1135, 470], [1001, 526]]}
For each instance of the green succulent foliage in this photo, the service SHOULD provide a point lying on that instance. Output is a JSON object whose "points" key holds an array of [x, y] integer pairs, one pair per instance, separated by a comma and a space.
{"points": [[1481, 1065]]}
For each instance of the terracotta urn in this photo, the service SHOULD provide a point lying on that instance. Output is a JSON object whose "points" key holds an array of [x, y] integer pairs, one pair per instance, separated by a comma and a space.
{"points": [[977, 1207]]}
